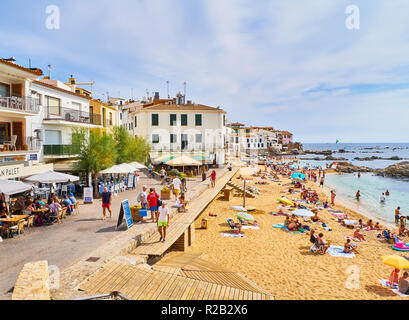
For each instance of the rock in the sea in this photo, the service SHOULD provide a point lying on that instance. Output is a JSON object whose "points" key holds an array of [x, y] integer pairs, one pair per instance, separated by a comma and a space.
{"points": [[397, 170], [347, 167]]}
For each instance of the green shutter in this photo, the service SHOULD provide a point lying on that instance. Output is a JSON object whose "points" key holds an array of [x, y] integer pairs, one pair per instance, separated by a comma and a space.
{"points": [[173, 119], [198, 119], [155, 119], [183, 119]]}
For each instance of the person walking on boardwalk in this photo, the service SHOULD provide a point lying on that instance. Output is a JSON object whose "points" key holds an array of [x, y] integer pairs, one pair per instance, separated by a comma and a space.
{"points": [[176, 183], [142, 198], [213, 178], [153, 204], [163, 221], [150, 169], [162, 175], [106, 203]]}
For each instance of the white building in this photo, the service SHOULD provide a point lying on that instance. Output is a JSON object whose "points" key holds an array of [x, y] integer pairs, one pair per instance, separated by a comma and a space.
{"points": [[20, 141], [61, 110], [180, 128]]}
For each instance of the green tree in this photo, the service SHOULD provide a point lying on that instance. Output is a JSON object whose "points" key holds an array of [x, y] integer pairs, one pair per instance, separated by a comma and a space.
{"points": [[129, 148], [97, 151]]}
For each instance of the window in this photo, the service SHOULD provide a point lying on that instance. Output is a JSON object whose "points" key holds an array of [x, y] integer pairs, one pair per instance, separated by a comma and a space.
{"points": [[198, 119], [173, 138], [53, 106], [135, 121], [155, 119], [224, 120], [248, 146], [248, 140], [173, 119], [155, 138], [199, 138], [120, 116], [183, 119]]}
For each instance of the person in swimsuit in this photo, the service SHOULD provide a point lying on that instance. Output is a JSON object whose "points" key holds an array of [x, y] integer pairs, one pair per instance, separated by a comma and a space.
{"points": [[397, 215], [348, 248], [394, 277], [358, 235], [321, 244], [358, 194]]}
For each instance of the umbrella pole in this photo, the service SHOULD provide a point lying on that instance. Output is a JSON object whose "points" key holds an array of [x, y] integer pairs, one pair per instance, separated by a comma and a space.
{"points": [[244, 194]]}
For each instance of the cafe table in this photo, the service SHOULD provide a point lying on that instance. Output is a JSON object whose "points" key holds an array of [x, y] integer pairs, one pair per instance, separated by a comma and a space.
{"points": [[13, 220]]}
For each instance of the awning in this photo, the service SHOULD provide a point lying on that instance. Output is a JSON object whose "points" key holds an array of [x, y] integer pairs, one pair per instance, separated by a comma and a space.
{"points": [[10, 187]]}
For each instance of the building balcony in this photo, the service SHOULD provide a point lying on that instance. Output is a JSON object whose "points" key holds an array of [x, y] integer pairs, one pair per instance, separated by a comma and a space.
{"points": [[26, 105], [14, 144], [71, 115], [61, 150]]}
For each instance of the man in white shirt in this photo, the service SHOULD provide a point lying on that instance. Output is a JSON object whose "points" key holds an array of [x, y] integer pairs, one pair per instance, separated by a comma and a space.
{"points": [[163, 221], [142, 198], [176, 183], [383, 199]]}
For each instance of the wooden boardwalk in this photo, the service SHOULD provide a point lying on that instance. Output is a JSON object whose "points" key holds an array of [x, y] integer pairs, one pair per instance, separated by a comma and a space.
{"points": [[139, 283], [181, 222]]}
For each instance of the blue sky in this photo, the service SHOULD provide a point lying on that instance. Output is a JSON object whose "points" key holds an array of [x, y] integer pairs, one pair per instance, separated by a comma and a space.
{"points": [[288, 64]]}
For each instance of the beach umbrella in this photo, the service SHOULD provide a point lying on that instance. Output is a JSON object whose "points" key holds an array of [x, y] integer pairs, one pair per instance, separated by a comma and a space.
{"points": [[183, 160], [395, 261], [298, 175], [10, 187], [114, 170], [128, 167], [245, 216], [302, 213], [286, 201], [137, 165], [52, 177]]}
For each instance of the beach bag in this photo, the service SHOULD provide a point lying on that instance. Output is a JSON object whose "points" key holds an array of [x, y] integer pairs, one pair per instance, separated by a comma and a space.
{"points": [[159, 200], [143, 212]]}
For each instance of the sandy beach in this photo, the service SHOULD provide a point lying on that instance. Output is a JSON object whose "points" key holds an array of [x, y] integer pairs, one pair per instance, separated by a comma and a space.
{"points": [[281, 263]]}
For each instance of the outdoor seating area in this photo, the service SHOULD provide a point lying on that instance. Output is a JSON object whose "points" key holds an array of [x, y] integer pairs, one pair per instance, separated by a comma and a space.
{"points": [[26, 206]]}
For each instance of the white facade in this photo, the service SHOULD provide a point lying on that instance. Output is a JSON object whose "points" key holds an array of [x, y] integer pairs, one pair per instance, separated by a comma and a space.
{"points": [[61, 111], [180, 128]]}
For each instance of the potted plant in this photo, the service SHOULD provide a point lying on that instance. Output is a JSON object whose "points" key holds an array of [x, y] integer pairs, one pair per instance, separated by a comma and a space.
{"points": [[165, 193]]}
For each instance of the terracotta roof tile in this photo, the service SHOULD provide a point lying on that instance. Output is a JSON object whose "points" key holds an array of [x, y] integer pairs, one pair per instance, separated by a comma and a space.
{"points": [[183, 107], [62, 90], [35, 71]]}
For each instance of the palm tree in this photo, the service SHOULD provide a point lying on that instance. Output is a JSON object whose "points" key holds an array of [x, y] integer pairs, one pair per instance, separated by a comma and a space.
{"points": [[96, 152]]}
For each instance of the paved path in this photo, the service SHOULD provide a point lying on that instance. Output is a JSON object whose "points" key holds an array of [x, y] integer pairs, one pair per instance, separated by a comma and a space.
{"points": [[63, 245]]}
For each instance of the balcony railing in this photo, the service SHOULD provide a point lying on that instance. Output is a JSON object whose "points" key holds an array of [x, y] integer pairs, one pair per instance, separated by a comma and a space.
{"points": [[27, 104], [72, 115], [61, 150], [107, 123], [19, 143]]}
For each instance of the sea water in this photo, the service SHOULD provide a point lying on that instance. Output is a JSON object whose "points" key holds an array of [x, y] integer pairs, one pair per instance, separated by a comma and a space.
{"points": [[371, 186]]}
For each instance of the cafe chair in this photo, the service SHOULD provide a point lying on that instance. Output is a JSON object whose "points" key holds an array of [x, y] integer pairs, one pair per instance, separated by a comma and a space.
{"points": [[29, 224], [19, 228]]}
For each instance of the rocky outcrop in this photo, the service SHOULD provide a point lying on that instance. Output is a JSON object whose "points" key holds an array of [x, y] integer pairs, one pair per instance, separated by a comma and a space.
{"points": [[377, 158], [397, 170], [334, 158], [346, 167], [324, 152]]}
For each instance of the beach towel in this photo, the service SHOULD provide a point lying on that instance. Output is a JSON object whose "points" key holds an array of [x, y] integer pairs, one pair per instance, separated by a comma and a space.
{"points": [[335, 211], [386, 284], [233, 235], [250, 227], [337, 251], [280, 225], [339, 215], [353, 239]]}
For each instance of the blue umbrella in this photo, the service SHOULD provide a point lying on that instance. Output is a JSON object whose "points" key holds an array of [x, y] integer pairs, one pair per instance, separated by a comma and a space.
{"points": [[298, 175]]}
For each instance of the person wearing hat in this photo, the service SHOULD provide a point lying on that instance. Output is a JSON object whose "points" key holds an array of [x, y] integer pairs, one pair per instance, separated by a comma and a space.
{"points": [[72, 198]]}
